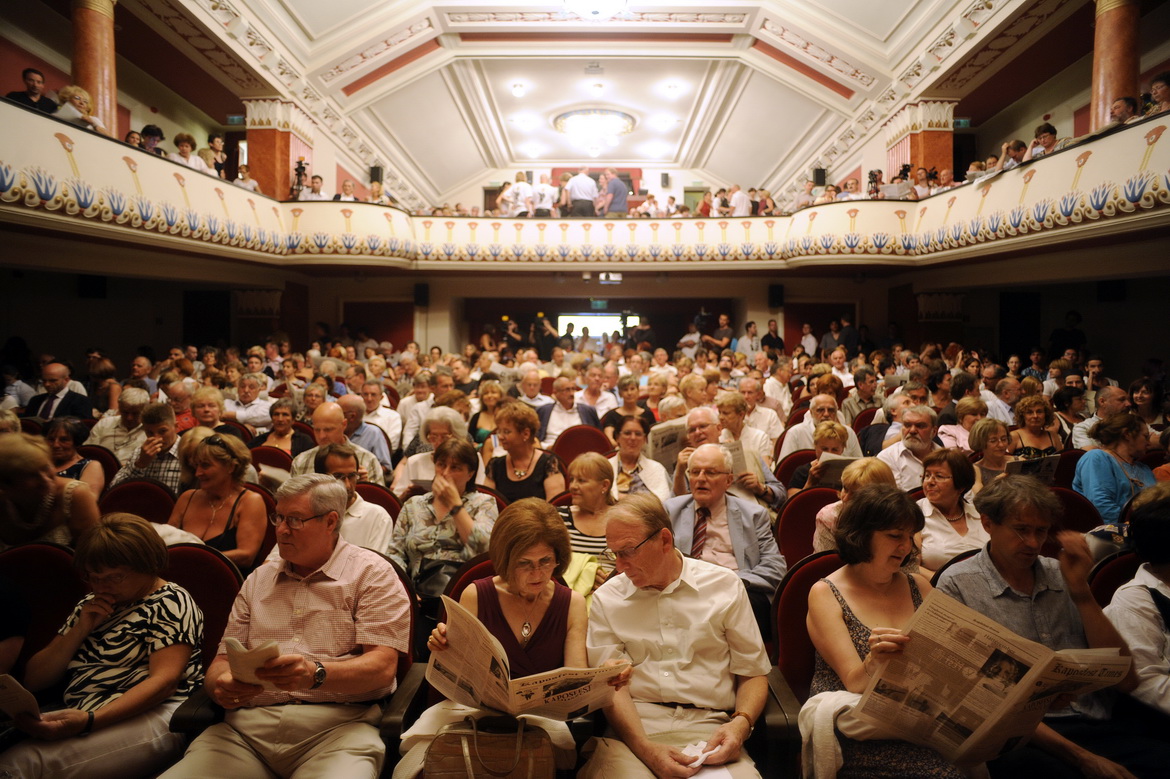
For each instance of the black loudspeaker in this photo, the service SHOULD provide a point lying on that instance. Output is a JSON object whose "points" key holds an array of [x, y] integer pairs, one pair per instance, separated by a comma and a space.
{"points": [[775, 296], [820, 177], [666, 181], [643, 192], [93, 287], [528, 175], [422, 295], [375, 173]]}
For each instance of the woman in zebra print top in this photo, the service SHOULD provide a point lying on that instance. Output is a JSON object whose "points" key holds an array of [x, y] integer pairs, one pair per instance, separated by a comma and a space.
{"points": [[128, 655]]}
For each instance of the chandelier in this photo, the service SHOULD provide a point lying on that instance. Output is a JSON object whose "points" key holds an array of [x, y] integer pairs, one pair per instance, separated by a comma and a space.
{"points": [[595, 10], [592, 129]]}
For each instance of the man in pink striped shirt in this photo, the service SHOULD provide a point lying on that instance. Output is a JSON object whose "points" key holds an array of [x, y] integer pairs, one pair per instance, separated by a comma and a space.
{"points": [[340, 618]]}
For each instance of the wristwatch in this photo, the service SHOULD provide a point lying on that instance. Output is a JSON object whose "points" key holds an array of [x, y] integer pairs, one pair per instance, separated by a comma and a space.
{"points": [[319, 676], [746, 716]]}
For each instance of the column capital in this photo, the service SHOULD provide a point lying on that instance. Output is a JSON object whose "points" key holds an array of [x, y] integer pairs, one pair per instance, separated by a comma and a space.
{"points": [[273, 113], [103, 7], [1105, 6]]}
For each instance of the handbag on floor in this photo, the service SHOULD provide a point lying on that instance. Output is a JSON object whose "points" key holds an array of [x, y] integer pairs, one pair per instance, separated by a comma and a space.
{"points": [[495, 746]]}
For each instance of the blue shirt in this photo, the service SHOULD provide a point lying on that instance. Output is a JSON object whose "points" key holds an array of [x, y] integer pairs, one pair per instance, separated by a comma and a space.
{"points": [[373, 440], [617, 188]]}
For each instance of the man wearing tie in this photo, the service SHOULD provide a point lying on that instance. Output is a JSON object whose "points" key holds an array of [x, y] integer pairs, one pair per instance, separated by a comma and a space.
{"points": [[58, 400], [711, 525]]}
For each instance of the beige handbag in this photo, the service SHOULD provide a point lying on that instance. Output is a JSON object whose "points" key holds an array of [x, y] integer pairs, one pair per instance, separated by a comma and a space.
{"points": [[496, 746]]}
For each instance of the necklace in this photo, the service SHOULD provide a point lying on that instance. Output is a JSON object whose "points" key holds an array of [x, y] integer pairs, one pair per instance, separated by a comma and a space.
{"points": [[526, 627], [521, 472]]}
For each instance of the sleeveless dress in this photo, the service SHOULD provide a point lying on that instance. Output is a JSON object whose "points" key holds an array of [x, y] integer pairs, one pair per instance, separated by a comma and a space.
{"points": [[545, 650], [531, 486], [877, 758], [1034, 452], [226, 540], [74, 471]]}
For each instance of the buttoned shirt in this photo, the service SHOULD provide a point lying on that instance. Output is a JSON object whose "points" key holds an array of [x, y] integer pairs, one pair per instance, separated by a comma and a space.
{"points": [[304, 463], [391, 423], [581, 187], [164, 467], [1137, 619], [355, 599], [364, 524], [687, 641], [420, 535], [537, 402], [1080, 433], [906, 467], [997, 409], [766, 421], [717, 548], [110, 433], [779, 392], [371, 439], [606, 402], [854, 405], [560, 420], [255, 413], [308, 194], [413, 418]]}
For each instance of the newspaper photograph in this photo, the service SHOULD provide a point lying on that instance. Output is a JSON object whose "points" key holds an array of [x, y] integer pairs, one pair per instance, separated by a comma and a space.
{"points": [[473, 670], [666, 440], [972, 689]]}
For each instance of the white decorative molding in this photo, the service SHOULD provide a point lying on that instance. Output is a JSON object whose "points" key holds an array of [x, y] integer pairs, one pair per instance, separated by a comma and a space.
{"points": [[379, 50], [815, 52], [557, 17], [916, 117], [275, 114]]}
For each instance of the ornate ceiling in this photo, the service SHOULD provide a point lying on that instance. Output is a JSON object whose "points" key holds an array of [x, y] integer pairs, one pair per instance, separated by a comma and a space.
{"points": [[755, 92]]}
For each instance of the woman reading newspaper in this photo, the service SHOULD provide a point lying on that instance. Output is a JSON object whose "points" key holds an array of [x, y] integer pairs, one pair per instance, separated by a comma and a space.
{"points": [[540, 622], [855, 621]]}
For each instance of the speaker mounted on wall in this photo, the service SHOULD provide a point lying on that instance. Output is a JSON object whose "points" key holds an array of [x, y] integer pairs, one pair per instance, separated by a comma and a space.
{"points": [[666, 181], [375, 173], [775, 296], [820, 177], [422, 295]]}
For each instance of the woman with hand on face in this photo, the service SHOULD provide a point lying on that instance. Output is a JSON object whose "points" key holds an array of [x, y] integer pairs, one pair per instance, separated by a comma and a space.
{"points": [[128, 655], [856, 616], [64, 435]]}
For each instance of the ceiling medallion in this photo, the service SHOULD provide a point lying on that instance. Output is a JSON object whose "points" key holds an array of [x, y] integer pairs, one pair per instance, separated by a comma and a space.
{"points": [[592, 129], [595, 10]]}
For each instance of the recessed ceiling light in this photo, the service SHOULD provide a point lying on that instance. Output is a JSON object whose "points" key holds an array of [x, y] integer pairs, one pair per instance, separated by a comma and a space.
{"points": [[597, 88], [595, 10], [671, 90], [532, 150], [518, 89]]}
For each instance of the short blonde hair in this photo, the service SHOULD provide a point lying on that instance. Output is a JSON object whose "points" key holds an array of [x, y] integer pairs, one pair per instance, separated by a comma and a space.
{"points": [[64, 93], [830, 429], [207, 393], [21, 454], [867, 470], [594, 466]]}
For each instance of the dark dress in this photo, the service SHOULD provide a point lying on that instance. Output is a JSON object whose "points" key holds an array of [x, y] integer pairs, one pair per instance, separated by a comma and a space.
{"points": [[546, 648], [614, 418], [531, 486], [1034, 453], [74, 471], [300, 442], [226, 540], [876, 758]]}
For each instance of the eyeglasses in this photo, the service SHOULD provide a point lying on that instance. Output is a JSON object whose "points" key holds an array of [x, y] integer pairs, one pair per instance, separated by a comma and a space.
{"points": [[294, 523], [345, 476], [626, 554], [543, 564], [216, 440], [706, 473], [110, 579], [1039, 533], [697, 428], [935, 477]]}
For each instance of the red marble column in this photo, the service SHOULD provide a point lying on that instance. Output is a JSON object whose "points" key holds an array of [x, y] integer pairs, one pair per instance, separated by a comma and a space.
{"points": [[268, 161], [1115, 56], [932, 149], [93, 57]]}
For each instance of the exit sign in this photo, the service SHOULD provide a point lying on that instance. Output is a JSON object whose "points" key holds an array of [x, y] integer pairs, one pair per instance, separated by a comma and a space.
{"points": [[598, 305]]}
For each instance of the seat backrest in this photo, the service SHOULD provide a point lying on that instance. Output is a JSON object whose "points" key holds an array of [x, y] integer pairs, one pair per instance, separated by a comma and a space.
{"points": [[564, 499], [392, 396], [107, 459], [1110, 573], [245, 433], [272, 457], [380, 496], [152, 500], [960, 557], [798, 521], [304, 428], [795, 417], [794, 649], [30, 426], [863, 419], [579, 439], [1079, 512], [476, 568], [1066, 467], [269, 530], [501, 501], [44, 579], [213, 581], [786, 467], [405, 659]]}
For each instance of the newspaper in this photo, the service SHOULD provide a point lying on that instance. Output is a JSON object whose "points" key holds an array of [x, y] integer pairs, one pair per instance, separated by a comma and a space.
{"points": [[667, 439], [972, 689], [899, 191], [1042, 468], [16, 700], [244, 662], [832, 466], [739, 463], [473, 670]]}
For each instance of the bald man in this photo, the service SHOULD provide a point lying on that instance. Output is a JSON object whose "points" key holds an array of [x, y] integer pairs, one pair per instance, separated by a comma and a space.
{"points": [[58, 400], [329, 428], [363, 435], [563, 413]]}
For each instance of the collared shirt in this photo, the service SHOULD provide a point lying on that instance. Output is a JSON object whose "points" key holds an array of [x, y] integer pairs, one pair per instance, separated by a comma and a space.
{"points": [[108, 432], [391, 423], [1137, 619], [413, 418], [581, 187], [303, 463], [854, 405], [766, 421], [537, 402], [255, 413], [420, 535], [372, 439], [906, 467], [164, 467], [753, 441], [353, 600], [717, 548], [1080, 433], [997, 409], [779, 392], [940, 540], [308, 194], [560, 420], [56, 397], [687, 641], [1047, 615], [606, 402], [845, 376]]}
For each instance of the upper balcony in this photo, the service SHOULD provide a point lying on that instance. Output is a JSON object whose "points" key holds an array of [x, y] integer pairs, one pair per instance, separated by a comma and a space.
{"points": [[59, 178]]}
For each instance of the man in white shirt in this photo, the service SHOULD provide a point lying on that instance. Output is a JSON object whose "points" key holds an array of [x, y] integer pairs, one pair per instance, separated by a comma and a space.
{"points": [[314, 191], [689, 343], [776, 387], [557, 417], [594, 394], [808, 340], [329, 428], [381, 416], [123, 433], [905, 457], [1110, 401], [441, 381], [530, 390], [248, 409], [749, 343], [822, 408], [741, 204], [544, 198], [840, 366], [522, 196], [763, 419], [582, 192], [852, 191], [347, 190], [1001, 402]]}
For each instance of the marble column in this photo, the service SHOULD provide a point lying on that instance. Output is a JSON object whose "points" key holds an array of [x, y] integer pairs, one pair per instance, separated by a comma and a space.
{"points": [[279, 134], [93, 57], [1115, 56]]}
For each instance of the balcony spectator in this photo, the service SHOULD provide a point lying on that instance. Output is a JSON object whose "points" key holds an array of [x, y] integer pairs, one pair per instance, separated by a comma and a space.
{"points": [[75, 108], [133, 138], [314, 191], [1045, 142], [852, 191], [152, 136], [828, 196], [805, 197], [1124, 111], [246, 181], [347, 192], [946, 180], [185, 143], [33, 95], [1159, 94], [214, 157]]}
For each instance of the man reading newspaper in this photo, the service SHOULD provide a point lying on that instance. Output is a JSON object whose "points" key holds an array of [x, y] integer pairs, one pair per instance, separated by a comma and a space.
{"points": [[699, 680], [1049, 602]]}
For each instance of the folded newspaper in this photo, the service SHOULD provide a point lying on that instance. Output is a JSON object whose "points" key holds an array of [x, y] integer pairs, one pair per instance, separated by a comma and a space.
{"points": [[972, 689], [473, 670]]}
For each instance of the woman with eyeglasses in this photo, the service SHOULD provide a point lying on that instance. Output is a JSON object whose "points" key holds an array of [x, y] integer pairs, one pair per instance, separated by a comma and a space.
{"points": [[952, 523], [127, 656], [221, 511], [989, 438], [540, 623]]}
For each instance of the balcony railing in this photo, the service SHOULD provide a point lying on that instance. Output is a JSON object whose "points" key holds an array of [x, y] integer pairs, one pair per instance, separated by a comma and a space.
{"points": [[57, 176]]}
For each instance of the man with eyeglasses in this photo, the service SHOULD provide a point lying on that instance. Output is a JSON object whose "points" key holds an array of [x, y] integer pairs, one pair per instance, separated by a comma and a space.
{"points": [[1049, 602], [757, 484], [822, 408], [733, 533], [699, 666], [341, 617], [919, 424]]}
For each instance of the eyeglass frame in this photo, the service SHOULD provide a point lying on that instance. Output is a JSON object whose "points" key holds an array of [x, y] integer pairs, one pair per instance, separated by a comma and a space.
{"points": [[275, 519], [626, 554]]}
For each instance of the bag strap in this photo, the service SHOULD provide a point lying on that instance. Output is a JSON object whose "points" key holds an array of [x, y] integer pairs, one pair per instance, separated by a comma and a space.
{"points": [[516, 758]]}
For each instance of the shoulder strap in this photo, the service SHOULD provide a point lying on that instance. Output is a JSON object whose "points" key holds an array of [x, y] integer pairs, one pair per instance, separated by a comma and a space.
{"points": [[232, 516], [1163, 604]]}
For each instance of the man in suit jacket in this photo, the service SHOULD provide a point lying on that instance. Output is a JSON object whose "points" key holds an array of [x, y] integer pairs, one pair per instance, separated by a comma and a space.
{"points": [[734, 533], [65, 403], [565, 412]]}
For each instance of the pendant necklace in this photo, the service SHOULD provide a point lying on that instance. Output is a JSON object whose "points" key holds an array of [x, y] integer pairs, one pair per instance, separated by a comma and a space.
{"points": [[521, 472], [526, 627]]}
